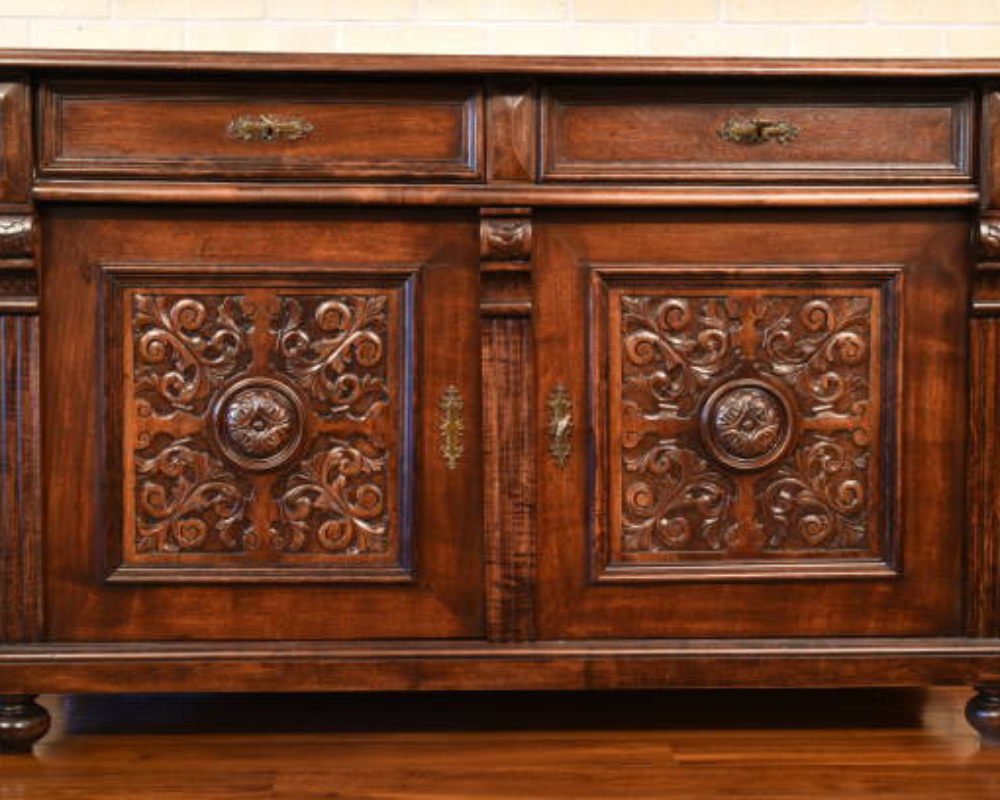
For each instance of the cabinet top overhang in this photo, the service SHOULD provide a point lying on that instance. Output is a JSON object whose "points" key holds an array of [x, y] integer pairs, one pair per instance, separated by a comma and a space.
{"points": [[512, 65]]}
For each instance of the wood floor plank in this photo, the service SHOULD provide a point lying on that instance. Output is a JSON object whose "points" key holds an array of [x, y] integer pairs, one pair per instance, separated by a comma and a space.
{"points": [[779, 745]]}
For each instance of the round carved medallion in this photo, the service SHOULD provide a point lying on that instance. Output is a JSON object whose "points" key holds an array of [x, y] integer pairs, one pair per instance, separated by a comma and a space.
{"points": [[747, 424], [258, 423]]}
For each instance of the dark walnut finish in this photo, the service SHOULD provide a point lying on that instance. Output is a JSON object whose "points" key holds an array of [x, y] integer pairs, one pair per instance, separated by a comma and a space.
{"points": [[381, 373]]}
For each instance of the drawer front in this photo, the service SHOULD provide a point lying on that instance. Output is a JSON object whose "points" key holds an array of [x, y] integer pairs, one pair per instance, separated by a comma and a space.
{"points": [[334, 131], [675, 134]]}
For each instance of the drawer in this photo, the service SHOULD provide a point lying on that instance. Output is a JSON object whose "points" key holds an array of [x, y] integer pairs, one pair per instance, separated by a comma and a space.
{"points": [[686, 133], [329, 131]]}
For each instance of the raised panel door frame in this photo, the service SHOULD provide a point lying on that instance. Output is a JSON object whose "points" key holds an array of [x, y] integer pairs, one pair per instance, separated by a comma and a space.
{"points": [[187, 282], [725, 487]]}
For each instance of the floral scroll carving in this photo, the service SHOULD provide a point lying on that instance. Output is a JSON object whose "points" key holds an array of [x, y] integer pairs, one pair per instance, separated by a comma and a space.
{"points": [[679, 502], [261, 422], [747, 423], [332, 348], [186, 347], [187, 501], [338, 495]]}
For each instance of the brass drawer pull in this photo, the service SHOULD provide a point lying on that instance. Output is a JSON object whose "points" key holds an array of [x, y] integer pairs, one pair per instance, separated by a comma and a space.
{"points": [[452, 426], [756, 131], [267, 128], [560, 425]]}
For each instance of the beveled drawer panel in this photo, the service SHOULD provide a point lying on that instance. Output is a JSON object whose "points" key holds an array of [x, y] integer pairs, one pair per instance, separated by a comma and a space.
{"points": [[329, 131], [685, 133]]}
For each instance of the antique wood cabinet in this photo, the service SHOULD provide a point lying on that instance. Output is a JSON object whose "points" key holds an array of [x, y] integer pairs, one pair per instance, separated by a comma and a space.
{"points": [[359, 372]]}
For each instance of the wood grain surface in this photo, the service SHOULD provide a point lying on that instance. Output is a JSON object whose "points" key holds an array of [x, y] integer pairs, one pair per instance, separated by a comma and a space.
{"points": [[777, 745]]}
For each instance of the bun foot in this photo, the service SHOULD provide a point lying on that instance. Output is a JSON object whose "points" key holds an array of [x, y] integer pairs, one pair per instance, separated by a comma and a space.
{"points": [[22, 723], [983, 714]]}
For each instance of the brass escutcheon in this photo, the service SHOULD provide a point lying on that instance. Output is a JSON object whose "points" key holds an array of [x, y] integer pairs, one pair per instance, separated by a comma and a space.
{"points": [[757, 131], [452, 426], [268, 128], [560, 425]]}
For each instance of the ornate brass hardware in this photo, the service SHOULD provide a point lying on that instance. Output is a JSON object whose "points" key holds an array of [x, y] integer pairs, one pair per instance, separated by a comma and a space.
{"points": [[267, 128], [560, 425], [452, 426], [756, 131]]}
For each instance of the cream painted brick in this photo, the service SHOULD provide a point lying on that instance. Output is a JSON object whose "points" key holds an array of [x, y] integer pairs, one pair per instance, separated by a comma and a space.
{"points": [[566, 40], [527, 10], [715, 41], [454, 39], [970, 11], [850, 42], [299, 9], [190, 9], [14, 33], [107, 35], [796, 10], [971, 42], [54, 8], [271, 37], [453, 9], [363, 10], [647, 10]]}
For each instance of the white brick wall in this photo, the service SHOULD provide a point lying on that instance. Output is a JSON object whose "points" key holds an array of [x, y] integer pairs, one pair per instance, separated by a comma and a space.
{"points": [[918, 28]]}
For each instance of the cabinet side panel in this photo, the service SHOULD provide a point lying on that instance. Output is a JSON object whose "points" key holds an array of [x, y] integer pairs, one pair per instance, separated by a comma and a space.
{"points": [[984, 479], [20, 492], [510, 482]]}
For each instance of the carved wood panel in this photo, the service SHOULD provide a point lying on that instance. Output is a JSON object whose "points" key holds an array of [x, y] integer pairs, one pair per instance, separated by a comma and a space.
{"points": [[264, 427], [745, 425]]}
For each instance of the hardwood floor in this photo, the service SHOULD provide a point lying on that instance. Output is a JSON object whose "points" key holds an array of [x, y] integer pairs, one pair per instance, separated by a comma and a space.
{"points": [[780, 745]]}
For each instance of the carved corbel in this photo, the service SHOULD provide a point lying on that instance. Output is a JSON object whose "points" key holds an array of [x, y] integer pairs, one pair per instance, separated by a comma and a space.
{"points": [[505, 237], [505, 244]]}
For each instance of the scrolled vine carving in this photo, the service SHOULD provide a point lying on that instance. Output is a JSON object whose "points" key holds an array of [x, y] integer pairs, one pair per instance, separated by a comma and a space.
{"points": [[187, 501], [674, 347], [746, 421], [227, 394], [821, 345], [186, 347], [818, 499], [337, 496], [675, 501], [336, 352]]}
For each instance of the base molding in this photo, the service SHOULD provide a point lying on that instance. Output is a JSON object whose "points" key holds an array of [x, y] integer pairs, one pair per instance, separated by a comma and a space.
{"points": [[476, 665]]}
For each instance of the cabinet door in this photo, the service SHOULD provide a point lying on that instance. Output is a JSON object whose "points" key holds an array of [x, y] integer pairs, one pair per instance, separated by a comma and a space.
{"points": [[258, 424], [757, 423]]}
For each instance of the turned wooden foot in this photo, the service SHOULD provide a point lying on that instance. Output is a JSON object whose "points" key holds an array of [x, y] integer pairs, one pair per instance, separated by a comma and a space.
{"points": [[983, 713], [22, 722]]}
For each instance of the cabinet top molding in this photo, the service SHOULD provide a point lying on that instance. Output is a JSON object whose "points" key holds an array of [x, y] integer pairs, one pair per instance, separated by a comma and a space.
{"points": [[512, 65]]}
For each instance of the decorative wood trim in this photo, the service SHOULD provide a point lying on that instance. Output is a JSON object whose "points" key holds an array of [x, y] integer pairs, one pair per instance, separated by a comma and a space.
{"points": [[16, 236], [511, 142], [608, 664], [508, 444], [538, 196], [983, 604], [511, 65], [20, 490], [988, 236], [15, 143]]}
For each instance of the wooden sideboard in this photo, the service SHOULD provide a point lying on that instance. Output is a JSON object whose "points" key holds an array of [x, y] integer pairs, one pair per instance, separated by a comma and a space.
{"points": [[371, 373]]}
